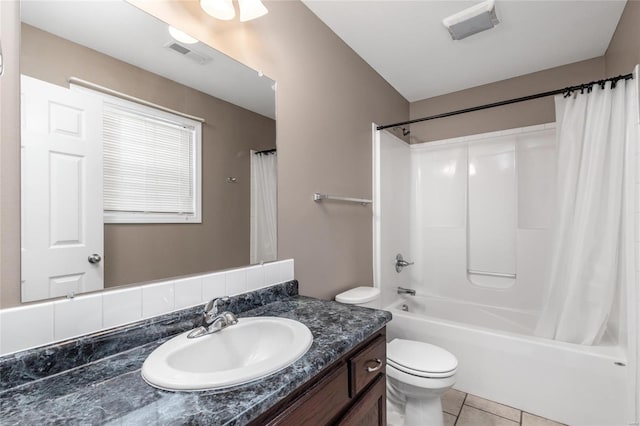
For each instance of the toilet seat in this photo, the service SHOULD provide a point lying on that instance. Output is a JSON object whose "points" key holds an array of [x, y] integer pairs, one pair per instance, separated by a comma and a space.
{"points": [[421, 359]]}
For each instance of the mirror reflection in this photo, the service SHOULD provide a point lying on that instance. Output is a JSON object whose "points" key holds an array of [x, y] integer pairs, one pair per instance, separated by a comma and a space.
{"points": [[145, 154]]}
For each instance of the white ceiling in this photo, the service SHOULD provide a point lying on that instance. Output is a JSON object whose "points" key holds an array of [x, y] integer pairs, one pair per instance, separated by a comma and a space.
{"points": [[406, 43], [123, 31]]}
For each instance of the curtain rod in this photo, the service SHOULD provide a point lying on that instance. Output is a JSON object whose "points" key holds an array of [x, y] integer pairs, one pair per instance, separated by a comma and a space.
{"points": [[567, 92], [266, 151], [97, 87]]}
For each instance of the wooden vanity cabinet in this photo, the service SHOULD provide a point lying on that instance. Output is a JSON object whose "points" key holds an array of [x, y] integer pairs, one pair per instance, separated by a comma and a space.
{"points": [[352, 391]]}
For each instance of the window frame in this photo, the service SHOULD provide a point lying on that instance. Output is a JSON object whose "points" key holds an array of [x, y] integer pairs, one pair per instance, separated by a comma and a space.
{"points": [[114, 217]]}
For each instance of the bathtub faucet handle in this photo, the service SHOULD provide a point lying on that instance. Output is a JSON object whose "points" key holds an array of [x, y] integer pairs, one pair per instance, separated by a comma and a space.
{"points": [[401, 263], [402, 290]]}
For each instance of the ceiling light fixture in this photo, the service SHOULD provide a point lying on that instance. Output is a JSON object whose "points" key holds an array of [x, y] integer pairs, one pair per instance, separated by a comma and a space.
{"points": [[219, 9], [223, 9], [181, 36], [251, 9]]}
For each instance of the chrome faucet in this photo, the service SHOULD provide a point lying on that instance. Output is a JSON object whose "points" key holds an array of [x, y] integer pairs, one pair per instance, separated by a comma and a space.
{"points": [[402, 290], [212, 320]]}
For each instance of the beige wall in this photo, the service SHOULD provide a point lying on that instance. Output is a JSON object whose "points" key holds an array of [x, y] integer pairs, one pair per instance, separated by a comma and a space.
{"points": [[511, 116], [623, 53], [326, 100], [624, 50], [144, 252], [9, 157]]}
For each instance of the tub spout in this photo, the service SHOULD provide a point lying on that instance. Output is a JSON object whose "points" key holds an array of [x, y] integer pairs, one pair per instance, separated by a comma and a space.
{"points": [[402, 290]]}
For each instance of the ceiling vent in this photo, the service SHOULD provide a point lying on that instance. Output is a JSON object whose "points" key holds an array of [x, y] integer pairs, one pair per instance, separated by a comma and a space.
{"points": [[472, 20], [188, 53]]}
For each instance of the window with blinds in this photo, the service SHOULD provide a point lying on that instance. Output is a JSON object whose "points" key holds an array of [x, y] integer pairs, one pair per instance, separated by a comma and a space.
{"points": [[151, 165]]}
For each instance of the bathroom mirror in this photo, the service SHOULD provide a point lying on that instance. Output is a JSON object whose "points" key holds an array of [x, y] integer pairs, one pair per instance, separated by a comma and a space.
{"points": [[145, 155]]}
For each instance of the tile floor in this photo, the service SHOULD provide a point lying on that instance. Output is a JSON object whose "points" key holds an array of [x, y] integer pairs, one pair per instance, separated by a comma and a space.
{"points": [[462, 409]]}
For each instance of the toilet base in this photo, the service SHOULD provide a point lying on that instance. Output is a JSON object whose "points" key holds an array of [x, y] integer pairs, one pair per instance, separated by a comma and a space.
{"points": [[432, 416], [420, 412], [403, 410]]}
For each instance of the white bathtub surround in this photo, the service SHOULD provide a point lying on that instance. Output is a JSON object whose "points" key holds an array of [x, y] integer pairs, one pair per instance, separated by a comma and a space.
{"points": [[65, 318], [391, 159], [588, 241], [488, 322]]}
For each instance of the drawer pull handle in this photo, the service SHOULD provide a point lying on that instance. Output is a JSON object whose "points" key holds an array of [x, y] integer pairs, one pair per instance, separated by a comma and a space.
{"points": [[377, 367]]}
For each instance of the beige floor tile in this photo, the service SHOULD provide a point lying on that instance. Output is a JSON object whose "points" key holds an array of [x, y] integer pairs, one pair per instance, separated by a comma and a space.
{"points": [[532, 420], [449, 419], [452, 401], [470, 416], [493, 407]]}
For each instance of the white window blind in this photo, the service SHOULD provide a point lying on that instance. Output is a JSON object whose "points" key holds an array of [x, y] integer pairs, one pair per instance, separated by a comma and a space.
{"points": [[150, 165]]}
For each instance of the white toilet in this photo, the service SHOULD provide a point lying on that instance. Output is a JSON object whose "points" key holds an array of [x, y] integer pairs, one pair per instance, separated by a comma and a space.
{"points": [[418, 373]]}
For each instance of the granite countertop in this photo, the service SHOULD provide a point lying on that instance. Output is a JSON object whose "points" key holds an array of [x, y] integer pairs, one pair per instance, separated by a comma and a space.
{"points": [[108, 389]]}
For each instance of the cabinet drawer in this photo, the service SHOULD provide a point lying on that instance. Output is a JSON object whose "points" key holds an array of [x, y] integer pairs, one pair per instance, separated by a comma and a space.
{"points": [[366, 365], [321, 404]]}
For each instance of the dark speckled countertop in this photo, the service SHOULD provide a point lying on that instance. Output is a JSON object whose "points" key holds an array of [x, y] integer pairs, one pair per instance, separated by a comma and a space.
{"points": [[103, 384]]}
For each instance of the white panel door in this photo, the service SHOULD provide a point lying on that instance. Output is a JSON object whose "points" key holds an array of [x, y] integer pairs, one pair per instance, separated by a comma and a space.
{"points": [[62, 224]]}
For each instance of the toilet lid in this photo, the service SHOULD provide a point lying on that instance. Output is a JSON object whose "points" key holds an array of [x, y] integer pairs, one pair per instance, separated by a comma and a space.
{"points": [[421, 359], [358, 295]]}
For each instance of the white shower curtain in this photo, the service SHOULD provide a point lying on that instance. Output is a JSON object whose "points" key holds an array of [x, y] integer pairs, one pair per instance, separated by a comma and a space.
{"points": [[264, 218], [593, 130]]}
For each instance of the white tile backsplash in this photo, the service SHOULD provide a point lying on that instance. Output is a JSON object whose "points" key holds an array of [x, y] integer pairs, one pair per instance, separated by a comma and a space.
{"points": [[188, 292], [213, 285], [286, 270], [255, 277], [25, 327], [271, 273], [157, 299], [77, 316], [121, 306], [62, 319], [236, 282]]}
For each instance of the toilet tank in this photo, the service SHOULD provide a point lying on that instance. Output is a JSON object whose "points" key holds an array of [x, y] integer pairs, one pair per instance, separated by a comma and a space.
{"points": [[361, 296]]}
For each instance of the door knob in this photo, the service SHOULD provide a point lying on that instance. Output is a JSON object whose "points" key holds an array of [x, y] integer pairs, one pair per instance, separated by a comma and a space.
{"points": [[94, 259]]}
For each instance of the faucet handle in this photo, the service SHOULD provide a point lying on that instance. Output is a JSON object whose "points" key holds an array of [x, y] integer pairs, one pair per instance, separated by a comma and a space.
{"points": [[213, 303], [212, 307], [229, 318]]}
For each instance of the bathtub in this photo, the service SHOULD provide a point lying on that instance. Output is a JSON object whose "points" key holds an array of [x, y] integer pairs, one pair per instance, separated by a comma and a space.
{"points": [[500, 359]]}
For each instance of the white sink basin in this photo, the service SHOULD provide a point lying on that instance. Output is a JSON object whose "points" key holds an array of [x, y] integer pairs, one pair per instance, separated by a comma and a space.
{"points": [[251, 349]]}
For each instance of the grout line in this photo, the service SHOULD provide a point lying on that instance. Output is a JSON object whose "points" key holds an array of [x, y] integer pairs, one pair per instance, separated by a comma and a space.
{"points": [[521, 417], [460, 410], [497, 415], [464, 401]]}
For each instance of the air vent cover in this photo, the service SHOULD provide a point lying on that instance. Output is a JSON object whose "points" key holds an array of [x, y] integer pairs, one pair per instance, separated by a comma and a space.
{"points": [[183, 50], [472, 20]]}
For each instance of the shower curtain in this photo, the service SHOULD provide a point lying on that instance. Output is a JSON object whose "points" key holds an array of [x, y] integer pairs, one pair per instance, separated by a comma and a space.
{"points": [[593, 131], [264, 218]]}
